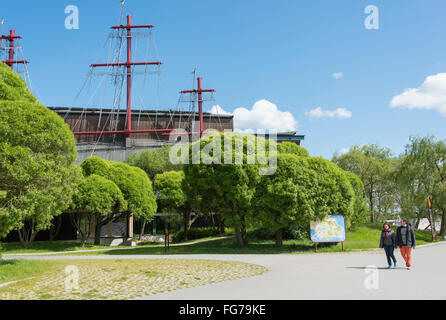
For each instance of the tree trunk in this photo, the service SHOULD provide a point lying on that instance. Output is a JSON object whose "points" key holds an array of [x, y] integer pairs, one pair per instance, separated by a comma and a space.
{"points": [[238, 235], [186, 225], [443, 224], [27, 234], [279, 238], [244, 236], [192, 219], [83, 242], [372, 208], [417, 223], [27, 238], [55, 229], [221, 225], [97, 232], [244, 232], [141, 234], [214, 226]]}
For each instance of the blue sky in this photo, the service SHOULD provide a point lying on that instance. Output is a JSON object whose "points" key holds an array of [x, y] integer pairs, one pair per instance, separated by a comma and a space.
{"points": [[284, 51]]}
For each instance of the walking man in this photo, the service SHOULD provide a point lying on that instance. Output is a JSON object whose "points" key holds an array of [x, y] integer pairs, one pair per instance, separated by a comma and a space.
{"points": [[405, 239]]}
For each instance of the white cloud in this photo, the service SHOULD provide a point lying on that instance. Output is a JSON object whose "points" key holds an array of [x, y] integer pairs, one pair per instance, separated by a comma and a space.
{"points": [[263, 115], [431, 95], [340, 113], [344, 150], [338, 75], [218, 110]]}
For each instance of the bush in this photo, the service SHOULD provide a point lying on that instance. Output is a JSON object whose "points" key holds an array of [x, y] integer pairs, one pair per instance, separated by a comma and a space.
{"points": [[296, 233], [196, 233], [289, 233]]}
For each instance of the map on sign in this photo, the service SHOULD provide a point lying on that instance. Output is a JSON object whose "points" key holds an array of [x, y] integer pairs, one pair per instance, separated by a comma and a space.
{"points": [[332, 229]]}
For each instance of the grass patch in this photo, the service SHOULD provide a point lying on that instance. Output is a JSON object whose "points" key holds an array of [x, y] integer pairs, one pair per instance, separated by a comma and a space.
{"points": [[45, 246], [56, 246], [358, 238], [14, 270]]}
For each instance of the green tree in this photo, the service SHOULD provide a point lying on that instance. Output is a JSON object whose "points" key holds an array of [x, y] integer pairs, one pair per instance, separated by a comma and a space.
{"points": [[335, 192], [286, 198], [412, 196], [37, 155], [172, 198], [423, 173], [361, 212], [302, 190], [292, 148], [374, 166], [134, 184], [153, 162], [215, 186], [95, 197]]}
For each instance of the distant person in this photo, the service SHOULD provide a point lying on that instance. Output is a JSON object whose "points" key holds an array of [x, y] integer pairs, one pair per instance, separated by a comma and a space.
{"points": [[405, 239], [388, 242]]}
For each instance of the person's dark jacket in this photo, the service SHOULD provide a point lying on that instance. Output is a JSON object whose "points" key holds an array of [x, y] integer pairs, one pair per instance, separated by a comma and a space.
{"points": [[405, 236], [389, 240]]}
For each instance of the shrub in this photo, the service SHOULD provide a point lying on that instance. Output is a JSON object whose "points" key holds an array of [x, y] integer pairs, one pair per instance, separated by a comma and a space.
{"points": [[289, 233], [196, 233]]}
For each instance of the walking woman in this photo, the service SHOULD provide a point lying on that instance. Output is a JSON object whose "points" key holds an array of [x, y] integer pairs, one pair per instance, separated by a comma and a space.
{"points": [[388, 242]]}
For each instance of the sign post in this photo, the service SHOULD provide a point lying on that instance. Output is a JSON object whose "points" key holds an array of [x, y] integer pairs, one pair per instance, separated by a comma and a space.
{"points": [[166, 236], [330, 230], [431, 217]]}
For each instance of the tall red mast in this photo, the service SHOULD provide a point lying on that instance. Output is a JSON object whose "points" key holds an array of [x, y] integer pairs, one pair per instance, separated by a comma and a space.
{"points": [[200, 92], [128, 64], [11, 38]]}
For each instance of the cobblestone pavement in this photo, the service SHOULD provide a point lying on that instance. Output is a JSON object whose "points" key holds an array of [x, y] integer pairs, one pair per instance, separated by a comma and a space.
{"points": [[125, 279]]}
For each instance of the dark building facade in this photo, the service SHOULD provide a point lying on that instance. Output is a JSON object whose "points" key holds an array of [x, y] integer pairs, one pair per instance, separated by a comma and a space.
{"points": [[117, 147]]}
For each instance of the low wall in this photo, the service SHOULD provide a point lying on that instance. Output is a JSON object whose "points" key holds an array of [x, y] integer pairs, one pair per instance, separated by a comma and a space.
{"points": [[157, 238], [114, 242]]}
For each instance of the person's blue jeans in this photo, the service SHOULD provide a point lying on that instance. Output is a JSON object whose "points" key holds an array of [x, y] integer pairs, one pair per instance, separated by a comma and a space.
{"points": [[389, 253]]}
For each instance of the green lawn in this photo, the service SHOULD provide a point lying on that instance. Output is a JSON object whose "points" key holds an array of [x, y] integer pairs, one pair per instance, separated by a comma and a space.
{"points": [[48, 246], [45, 246], [360, 238], [12, 270]]}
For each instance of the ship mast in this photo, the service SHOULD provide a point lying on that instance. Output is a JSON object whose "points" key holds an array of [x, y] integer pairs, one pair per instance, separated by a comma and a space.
{"points": [[11, 55], [129, 76]]}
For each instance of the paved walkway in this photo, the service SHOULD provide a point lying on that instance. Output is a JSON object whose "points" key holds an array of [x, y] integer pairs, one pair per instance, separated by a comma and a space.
{"points": [[317, 276]]}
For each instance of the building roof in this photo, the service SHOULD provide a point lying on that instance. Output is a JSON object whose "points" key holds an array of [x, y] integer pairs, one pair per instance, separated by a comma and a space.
{"points": [[141, 112]]}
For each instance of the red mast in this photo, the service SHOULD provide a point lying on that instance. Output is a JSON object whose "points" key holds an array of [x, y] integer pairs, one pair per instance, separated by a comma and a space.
{"points": [[200, 92], [128, 64], [11, 38]]}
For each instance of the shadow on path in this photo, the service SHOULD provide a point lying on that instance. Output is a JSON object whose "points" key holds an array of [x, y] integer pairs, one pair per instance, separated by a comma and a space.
{"points": [[368, 268]]}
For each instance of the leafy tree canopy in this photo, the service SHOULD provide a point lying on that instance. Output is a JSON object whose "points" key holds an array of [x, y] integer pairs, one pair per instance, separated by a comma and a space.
{"points": [[133, 182], [98, 195], [169, 188], [37, 154], [374, 166], [153, 162], [292, 148]]}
